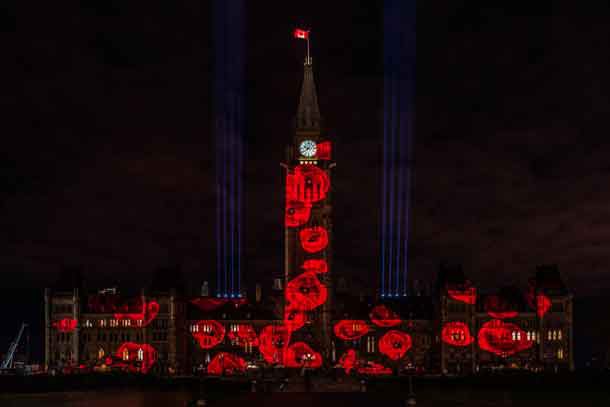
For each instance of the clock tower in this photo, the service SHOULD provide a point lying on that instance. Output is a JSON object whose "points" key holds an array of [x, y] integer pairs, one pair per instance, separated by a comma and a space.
{"points": [[308, 225]]}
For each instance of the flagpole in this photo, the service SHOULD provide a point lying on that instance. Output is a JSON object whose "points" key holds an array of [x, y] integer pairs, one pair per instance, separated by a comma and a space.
{"points": [[308, 59]]}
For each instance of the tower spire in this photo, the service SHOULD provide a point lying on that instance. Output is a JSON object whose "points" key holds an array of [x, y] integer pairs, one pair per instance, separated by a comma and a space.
{"points": [[308, 113]]}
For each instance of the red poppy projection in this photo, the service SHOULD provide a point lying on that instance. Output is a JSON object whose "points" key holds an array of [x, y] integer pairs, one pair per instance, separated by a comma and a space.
{"points": [[313, 239], [384, 317], [305, 292], [226, 364], [324, 150], [208, 333], [348, 360], [207, 304], [294, 319], [503, 338], [351, 329], [148, 312], [456, 334], [307, 184], [139, 356], [301, 354], [65, 325], [394, 344], [273, 341], [318, 266], [297, 213], [463, 292], [499, 308], [244, 334], [540, 302], [374, 369]]}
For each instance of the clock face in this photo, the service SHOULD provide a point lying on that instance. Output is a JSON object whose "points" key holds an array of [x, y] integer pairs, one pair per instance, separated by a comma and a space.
{"points": [[308, 148]]}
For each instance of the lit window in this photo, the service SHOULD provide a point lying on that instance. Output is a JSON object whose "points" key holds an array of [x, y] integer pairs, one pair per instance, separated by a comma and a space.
{"points": [[560, 353], [554, 335], [559, 334], [514, 335], [100, 353], [102, 323], [140, 354], [550, 335], [114, 323], [125, 354], [88, 324]]}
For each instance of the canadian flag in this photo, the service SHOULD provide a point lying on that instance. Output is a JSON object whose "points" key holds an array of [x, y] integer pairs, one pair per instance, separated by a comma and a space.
{"points": [[301, 34]]}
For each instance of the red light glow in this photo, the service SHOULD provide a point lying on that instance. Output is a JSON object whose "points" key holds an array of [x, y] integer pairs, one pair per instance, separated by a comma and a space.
{"points": [[148, 312], [273, 341], [208, 333], [348, 360], [499, 308], [543, 304], [207, 304], [226, 364], [323, 150], [243, 334], [293, 318], [313, 239], [394, 344], [297, 213], [503, 338], [138, 356], [318, 266], [65, 325], [305, 292], [307, 184], [301, 354], [456, 334], [384, 317], [350, 329], [374, 369], [464, 293]]}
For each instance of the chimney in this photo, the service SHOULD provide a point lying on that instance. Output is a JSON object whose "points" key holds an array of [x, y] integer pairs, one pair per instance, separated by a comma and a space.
{"points": [[277, 284], [259, 293]]}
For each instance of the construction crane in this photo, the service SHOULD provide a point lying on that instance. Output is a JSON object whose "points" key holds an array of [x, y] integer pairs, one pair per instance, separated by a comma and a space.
{"points": [[8, 359]]}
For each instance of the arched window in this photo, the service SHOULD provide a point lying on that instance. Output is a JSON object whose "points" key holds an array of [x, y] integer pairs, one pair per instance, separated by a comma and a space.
{"points": [[101, 353], [140, 354], [125, 354]]}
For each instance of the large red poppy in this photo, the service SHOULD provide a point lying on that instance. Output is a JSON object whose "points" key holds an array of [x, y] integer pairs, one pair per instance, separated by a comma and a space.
{"points": [[226, 364], [394, 344], [305, 292], [503, 338], [384, 317], [273, 341], [318, 266], [456, 334], [137, 354], [313, 239], [348, 360], [243, 334], [208, 333], [307, 184], [301, 354], [351, 329], [65, 325], [499, 307]]}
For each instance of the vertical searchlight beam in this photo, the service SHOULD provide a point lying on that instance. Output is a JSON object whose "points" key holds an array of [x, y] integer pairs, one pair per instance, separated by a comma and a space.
{"points": [[229, 89], [398, 133]]}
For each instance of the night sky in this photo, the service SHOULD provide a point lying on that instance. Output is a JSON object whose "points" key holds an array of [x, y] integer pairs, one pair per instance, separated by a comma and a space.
{"points": [[108, 152]]}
